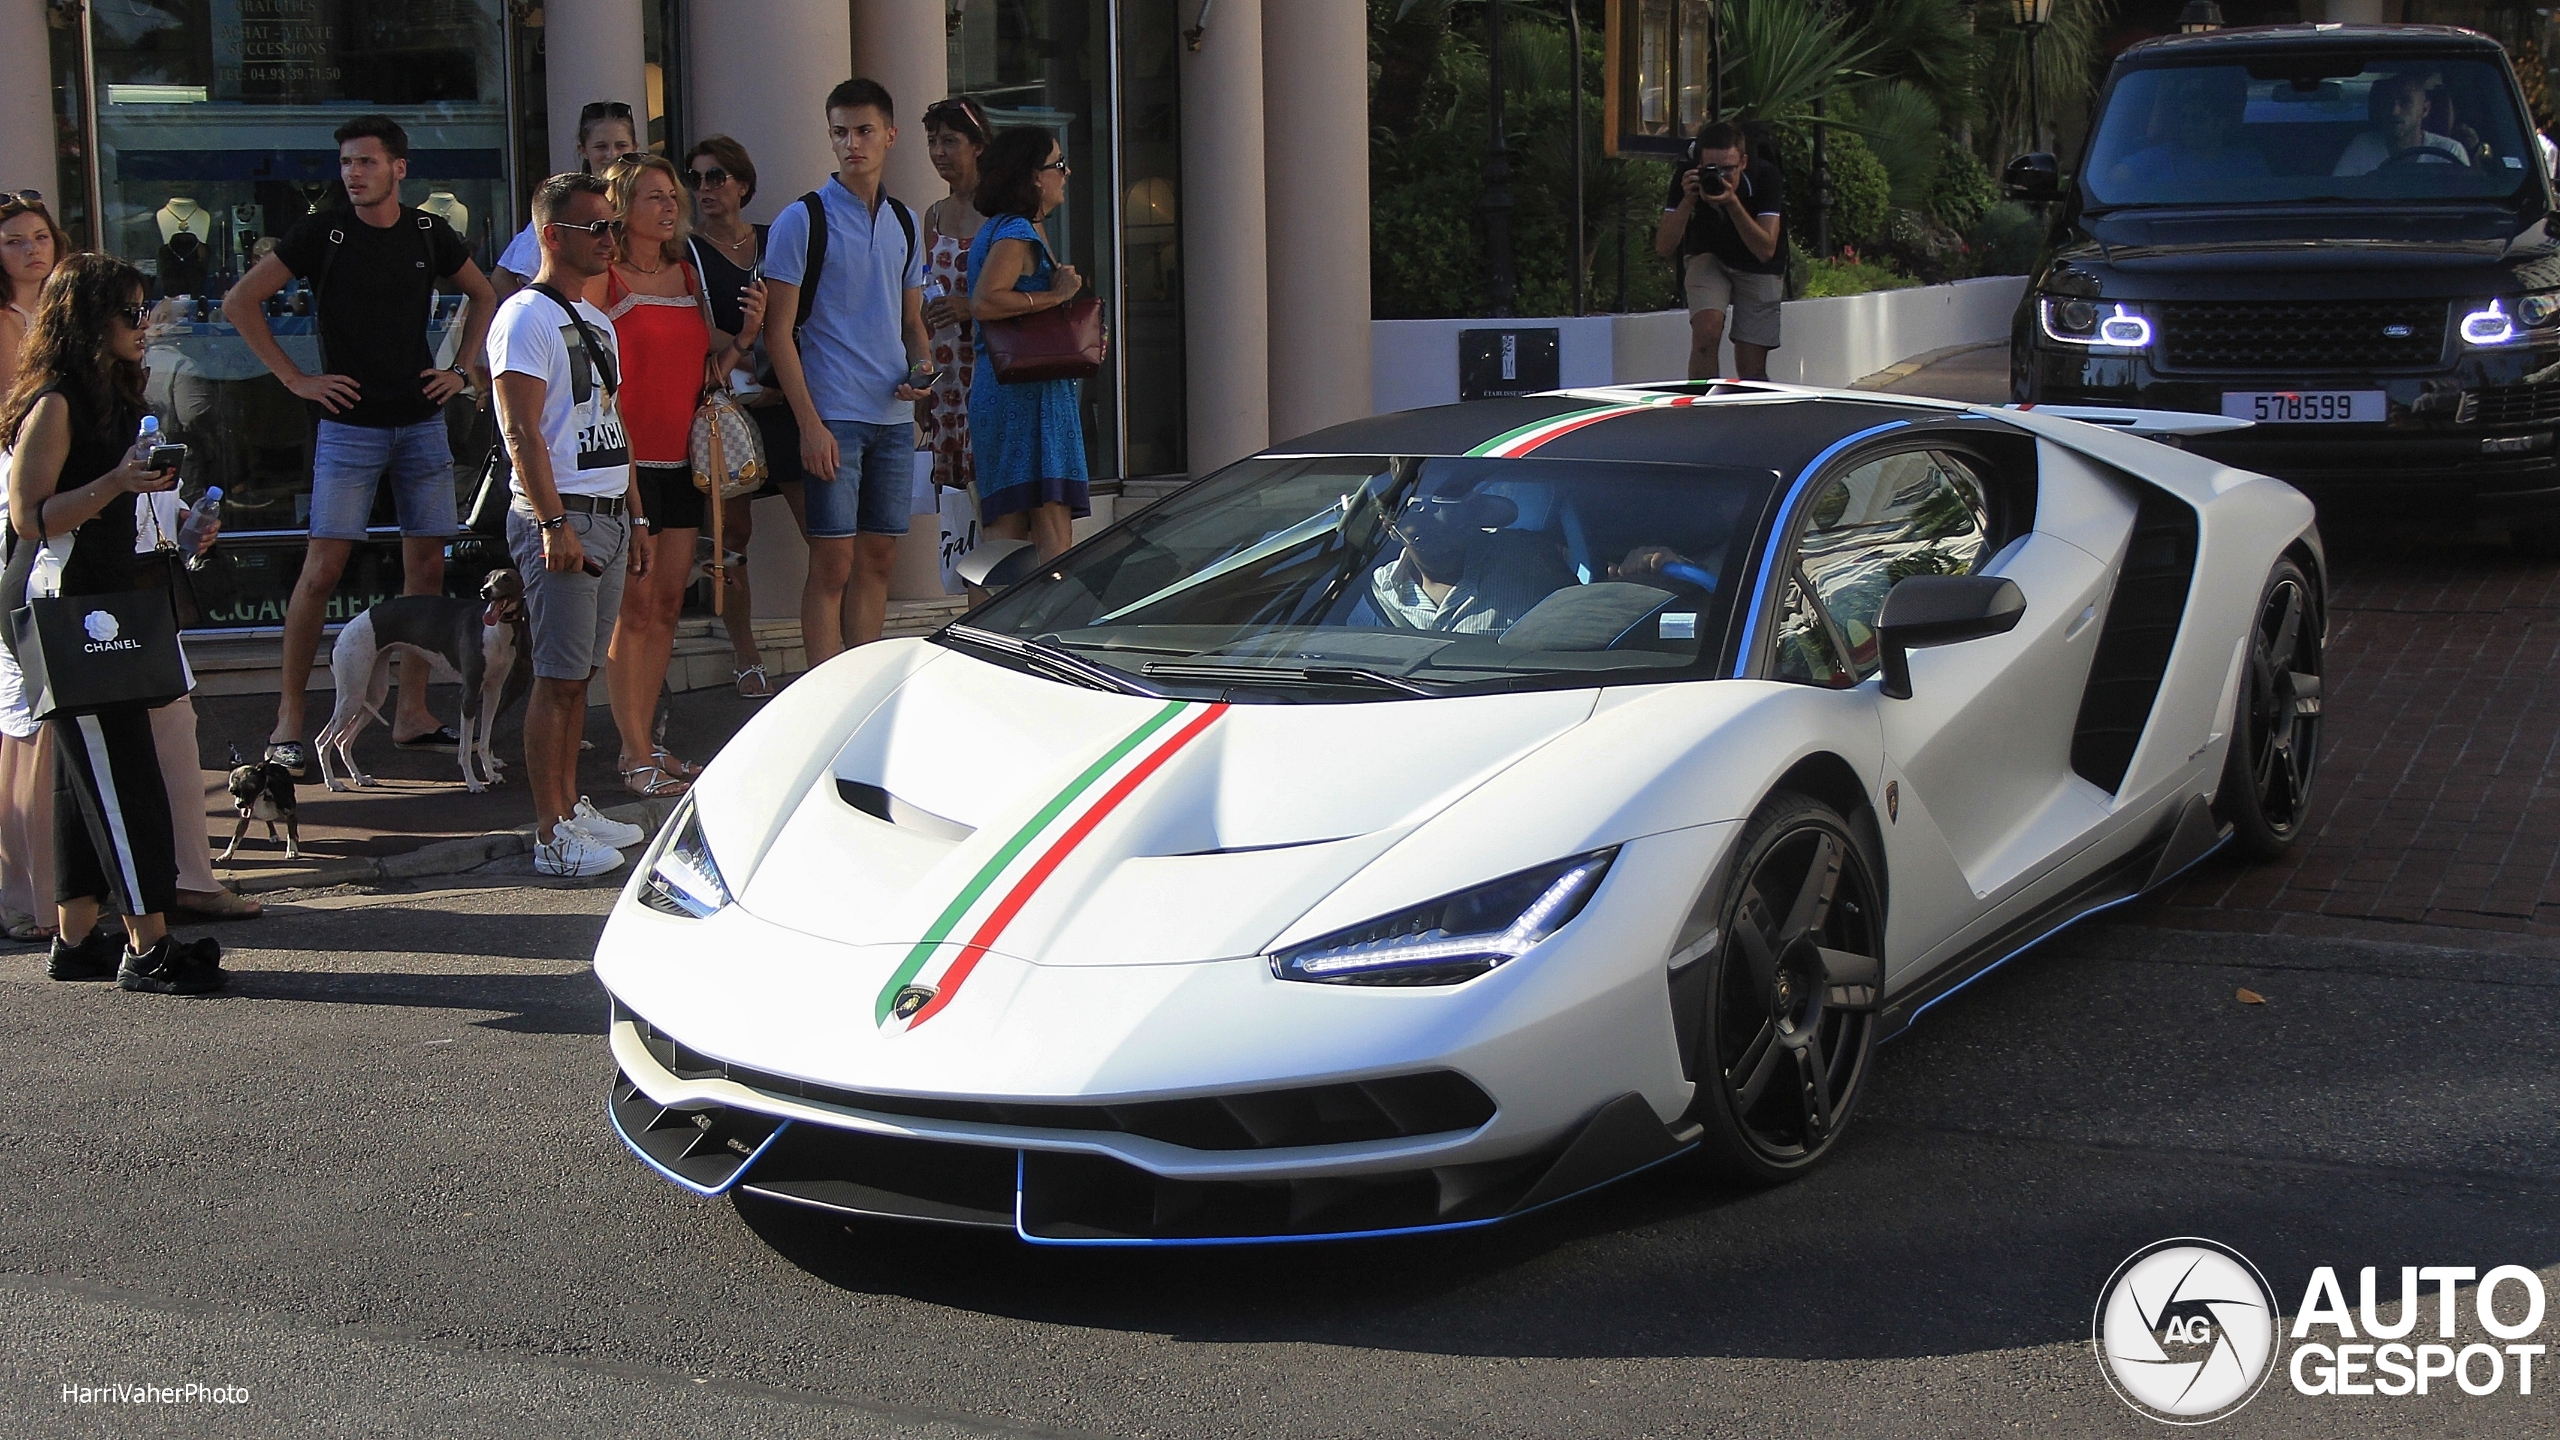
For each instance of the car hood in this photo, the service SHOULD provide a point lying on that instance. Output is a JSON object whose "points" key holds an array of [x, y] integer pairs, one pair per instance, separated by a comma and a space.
{"points": [[2388, 253], [1113, 829]]}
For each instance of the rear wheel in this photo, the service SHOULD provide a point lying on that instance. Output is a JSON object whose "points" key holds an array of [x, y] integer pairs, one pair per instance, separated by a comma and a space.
{"points": [[1788, 1025], [2275, 731]]}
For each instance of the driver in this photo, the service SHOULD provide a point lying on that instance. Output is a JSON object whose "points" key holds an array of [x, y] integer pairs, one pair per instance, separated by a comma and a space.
{"points": [[2399, 105], [1456, 573], [2204, 111]]}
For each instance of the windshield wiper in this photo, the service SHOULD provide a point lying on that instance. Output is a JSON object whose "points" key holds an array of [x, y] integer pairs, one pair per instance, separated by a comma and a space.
{"points": [[1052, 661], [1285, 675]]}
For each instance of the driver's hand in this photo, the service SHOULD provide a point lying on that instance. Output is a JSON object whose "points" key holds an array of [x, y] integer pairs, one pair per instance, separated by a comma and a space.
{"points": [[1645, 562]]}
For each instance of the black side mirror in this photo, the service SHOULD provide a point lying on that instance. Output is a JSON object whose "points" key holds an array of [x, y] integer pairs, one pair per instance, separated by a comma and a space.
{"points": [[1942, 610], [2032, 178], [996, 563]]}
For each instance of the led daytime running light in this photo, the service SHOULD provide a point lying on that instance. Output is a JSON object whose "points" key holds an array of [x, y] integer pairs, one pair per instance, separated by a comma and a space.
{"points": [[2490, 326], [2126, 329], [1338, 959], [684, 880], [2082, 322]]}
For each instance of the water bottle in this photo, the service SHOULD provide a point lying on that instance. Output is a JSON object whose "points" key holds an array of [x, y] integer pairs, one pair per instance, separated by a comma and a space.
{"points": [[200, 514]]}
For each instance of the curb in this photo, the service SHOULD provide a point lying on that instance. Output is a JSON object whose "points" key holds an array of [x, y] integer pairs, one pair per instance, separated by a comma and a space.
{"points": [[444, 857], [1905, 369]]}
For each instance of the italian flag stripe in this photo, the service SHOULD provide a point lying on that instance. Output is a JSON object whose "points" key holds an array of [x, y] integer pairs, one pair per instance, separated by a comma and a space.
{"points": [[1012, 849], [1038, 875], [1512, 444]]}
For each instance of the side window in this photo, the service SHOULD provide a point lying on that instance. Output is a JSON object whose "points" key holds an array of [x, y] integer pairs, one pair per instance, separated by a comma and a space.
{"points": [[1916, 513], [1807, 650]]}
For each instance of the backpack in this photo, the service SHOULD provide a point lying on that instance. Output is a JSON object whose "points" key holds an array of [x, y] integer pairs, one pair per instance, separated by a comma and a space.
{"points": [[816, 205], [329, 261]]}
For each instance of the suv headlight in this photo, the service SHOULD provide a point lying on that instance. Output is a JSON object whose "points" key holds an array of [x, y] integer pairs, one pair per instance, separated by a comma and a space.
{"points": [[1454, 938], [2534, 318], [684, 881], [2097, 323]]}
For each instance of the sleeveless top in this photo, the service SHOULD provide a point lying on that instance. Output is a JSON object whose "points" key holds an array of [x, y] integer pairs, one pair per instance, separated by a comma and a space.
{"points": [[945, 418], [663, 340], [101, 558]]}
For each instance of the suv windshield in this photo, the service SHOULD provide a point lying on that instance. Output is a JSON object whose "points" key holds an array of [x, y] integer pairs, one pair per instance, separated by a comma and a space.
{"points": [[1376, 577], [2278, 129]]}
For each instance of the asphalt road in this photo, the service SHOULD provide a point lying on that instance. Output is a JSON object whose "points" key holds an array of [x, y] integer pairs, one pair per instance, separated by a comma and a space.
{"points": [[374, 1188]]}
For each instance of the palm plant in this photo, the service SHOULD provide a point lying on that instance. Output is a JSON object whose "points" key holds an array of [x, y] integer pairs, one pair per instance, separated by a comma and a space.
{"points": [[1782, 57]]}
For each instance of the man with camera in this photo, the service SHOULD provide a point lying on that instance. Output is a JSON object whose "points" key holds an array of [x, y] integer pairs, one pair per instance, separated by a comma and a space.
{"points": [[1726, 218]]}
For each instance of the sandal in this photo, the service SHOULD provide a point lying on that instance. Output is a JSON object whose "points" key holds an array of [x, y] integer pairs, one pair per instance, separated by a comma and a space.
{"points": [[658, 784], [680, 768], [292, 755], [216, 905], [753, 683], [27, 929]]}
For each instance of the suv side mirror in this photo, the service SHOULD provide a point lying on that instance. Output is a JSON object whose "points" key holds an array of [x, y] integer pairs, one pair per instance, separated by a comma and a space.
{"points": [[2032, 178], [1941, 610], [996, 563]]}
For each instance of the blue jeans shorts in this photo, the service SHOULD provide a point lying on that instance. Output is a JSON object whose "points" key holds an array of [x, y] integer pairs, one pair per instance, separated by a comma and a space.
{"points": [[874, 489], [348, 463]]}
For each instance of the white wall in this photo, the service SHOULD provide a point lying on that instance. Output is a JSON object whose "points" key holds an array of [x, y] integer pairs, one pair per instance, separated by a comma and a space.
{"points": [[1831, 342]]}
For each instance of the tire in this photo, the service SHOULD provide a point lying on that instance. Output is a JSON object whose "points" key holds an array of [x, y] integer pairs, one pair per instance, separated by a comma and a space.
{"points": [[2265, 795], [1787, 1027]]}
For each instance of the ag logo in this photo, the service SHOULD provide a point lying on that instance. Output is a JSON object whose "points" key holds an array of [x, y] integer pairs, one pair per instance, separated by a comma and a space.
{"points": [[100, 625], [910, 1000], [2185, 1331]]}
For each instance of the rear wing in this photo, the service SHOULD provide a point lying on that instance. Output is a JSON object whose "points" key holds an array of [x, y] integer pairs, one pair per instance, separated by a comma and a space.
{"points": [[2150, 424]]}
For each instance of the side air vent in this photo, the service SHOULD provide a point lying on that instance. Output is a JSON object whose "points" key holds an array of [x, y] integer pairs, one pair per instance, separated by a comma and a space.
{"points": [[2134, 646], [879, 804]]}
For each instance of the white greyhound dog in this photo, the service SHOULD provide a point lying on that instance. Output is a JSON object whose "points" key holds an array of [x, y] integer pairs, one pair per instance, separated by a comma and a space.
{"points": [[482, 645]]}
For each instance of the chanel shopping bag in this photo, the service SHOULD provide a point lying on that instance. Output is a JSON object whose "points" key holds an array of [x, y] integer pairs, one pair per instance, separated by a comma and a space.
{"points": [[85, 653]]}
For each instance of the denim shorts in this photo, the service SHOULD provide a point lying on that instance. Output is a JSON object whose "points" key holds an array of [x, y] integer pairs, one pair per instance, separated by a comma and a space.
{"points": [[874, 489], [571, 616], [348, 462]]}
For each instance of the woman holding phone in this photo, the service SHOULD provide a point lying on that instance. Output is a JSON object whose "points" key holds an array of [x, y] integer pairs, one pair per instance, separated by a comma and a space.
{"points": [[75, 471]]}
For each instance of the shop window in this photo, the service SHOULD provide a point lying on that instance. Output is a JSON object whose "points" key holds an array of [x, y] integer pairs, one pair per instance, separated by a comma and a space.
{"points": [[1150, 339]]}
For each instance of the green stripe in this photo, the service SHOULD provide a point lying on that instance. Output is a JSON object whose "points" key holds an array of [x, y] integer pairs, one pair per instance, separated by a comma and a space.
{"points": [[987, 873], [1506, 437]]}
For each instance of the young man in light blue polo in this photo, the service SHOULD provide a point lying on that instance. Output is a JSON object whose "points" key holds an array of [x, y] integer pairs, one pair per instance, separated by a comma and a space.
{"points": [[851, 359]]}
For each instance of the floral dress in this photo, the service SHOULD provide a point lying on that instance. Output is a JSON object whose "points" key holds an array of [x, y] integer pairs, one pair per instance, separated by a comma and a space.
{"points": [[945, 419]]}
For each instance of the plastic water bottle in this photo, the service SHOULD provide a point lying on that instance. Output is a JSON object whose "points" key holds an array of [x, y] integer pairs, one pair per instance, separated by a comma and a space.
{"points": [[150, 435], [200, 514]]}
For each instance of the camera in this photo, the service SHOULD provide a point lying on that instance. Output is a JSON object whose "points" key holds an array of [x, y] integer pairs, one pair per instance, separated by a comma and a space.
{"points": [[1711, 180]]}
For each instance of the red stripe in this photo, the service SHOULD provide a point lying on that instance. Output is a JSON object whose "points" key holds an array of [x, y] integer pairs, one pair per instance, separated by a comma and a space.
{"points": [[1541, 441], [1056, 855]]}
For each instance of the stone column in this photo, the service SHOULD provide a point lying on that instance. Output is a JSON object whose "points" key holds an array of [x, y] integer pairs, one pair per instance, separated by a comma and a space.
{"points": [[1315, 86], [902, 44], [751, 86], [26, 103], [1225, 290], [591, 51]]}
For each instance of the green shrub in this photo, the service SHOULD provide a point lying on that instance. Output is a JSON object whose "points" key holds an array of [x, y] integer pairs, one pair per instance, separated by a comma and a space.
{"points": [[2007, 240], [1826, 278], [1963, 189], [1861, 193]]}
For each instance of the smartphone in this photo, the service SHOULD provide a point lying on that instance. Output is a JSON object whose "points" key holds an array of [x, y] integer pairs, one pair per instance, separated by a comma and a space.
{"points": [[592, 568], [165, 457]]}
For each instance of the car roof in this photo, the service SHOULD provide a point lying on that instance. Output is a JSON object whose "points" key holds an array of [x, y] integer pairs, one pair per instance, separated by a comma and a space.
{"points": [[1752, 425], [2252, 40]]}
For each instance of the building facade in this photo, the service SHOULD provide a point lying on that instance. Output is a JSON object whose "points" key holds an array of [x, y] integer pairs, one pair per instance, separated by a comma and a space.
{"points": [[1218, 204]]}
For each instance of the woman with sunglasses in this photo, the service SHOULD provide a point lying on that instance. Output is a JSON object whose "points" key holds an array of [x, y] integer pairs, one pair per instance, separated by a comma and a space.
{"points": [[662, 330], [955, 134], [1028, 438], [30, 246], [76, 471], [727, 250]]}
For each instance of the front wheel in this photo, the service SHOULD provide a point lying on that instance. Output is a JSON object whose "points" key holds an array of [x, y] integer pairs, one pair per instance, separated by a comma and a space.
{"points": [[1788, 1026], [2275, 729]]}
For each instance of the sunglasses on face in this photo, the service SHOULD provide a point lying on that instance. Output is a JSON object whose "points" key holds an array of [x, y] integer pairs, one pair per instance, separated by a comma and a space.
{"points": [[593, 229], [711, 179], [1060, 165], [136, 316]]}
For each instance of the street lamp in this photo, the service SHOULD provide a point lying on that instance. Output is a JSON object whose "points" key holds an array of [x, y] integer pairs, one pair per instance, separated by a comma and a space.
{"points": [[2032, 16], [2198, 17]]}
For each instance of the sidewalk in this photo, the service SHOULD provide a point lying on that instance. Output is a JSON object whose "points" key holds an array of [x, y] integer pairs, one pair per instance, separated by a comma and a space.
{"points": [[419, 820], [1978, 374]]}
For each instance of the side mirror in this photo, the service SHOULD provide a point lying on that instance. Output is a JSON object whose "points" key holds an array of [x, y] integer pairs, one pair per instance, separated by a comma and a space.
{"points": [[1942, 610], [997, 563], [2033, 177]]}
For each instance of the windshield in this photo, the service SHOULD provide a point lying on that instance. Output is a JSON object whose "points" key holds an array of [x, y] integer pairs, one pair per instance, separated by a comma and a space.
{"points": [[2407, 128], [1376, 577]]}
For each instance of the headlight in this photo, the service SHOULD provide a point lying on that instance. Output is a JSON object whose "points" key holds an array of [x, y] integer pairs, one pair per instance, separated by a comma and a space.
{"points": [[1454, 938], [684, 881], [2093, 322], [2535, 317]]}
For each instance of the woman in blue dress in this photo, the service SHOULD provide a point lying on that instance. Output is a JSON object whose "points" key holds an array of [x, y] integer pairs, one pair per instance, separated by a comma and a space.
{"points": [[1028, 439]]}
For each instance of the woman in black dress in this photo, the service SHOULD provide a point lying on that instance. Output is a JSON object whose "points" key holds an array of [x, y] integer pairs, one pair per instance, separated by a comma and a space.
{"points": [[71, 417]]}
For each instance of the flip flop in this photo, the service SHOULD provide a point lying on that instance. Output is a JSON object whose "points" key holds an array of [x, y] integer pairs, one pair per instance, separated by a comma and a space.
{"points": [[216, 905], [292, 756], [753, 683], [440, 738], [658, 786]]}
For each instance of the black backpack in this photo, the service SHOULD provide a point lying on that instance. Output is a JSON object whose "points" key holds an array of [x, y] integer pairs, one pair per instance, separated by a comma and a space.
{"points": [[329, 261], [816, 205]]}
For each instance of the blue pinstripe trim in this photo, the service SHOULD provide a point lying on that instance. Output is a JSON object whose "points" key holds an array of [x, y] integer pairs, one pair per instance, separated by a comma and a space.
{"points": [[708, 1193], [1795, 492]]}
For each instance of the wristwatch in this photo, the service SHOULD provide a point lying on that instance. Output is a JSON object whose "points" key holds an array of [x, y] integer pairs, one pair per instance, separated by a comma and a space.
{"points": [[554, 523]]}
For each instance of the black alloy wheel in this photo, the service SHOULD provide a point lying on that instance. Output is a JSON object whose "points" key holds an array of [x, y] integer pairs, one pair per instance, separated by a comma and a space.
{"points": [[2275, 732], [1789, 1023]]}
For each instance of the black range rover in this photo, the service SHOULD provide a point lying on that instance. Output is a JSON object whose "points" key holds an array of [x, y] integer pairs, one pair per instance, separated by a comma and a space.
{"points": [[2340, 232]]}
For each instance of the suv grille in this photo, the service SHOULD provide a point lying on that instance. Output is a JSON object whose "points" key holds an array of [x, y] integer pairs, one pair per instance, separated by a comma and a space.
{"points": [[2517, 404], [2301, 334]]}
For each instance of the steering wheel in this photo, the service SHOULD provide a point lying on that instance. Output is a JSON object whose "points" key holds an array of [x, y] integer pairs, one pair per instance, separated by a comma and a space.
{"points": [[2417, 155]]}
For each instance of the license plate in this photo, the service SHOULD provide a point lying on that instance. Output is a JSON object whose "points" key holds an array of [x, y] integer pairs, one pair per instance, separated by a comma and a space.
{"points": [[2295, 407]]}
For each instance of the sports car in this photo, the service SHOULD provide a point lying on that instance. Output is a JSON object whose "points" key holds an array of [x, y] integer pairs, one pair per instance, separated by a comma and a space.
{"points": [[1447, 813]]}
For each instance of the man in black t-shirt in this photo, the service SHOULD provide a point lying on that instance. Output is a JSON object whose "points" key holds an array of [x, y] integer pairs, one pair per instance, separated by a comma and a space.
{"points": [[373, 267], [1726, 219]]}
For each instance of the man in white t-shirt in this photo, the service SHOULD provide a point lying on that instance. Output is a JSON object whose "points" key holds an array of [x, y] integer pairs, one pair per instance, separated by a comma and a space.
{"points": [[570, 525]]}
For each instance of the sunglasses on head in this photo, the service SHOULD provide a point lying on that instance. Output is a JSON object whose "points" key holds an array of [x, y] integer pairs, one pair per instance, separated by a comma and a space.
{"points": [[22, 200], [711, 179], [598, 109], [957, 115], [593, 229]]}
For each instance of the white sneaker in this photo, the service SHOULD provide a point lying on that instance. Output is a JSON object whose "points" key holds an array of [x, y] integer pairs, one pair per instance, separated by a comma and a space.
{"points": [[612, 834], [572, 854]]}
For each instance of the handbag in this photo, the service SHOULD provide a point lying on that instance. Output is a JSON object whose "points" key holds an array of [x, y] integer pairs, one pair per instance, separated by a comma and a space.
{"points": [[82, 654], [488, 514], [164, 567], [727, 451], [1063, 342]]}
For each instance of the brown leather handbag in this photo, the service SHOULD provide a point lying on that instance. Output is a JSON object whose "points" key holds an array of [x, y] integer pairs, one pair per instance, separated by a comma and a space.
{"points": [[1063, 342]]}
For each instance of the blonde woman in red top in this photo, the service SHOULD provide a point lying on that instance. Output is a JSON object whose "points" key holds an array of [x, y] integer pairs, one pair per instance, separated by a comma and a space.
{"points": [[663, 330]]}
